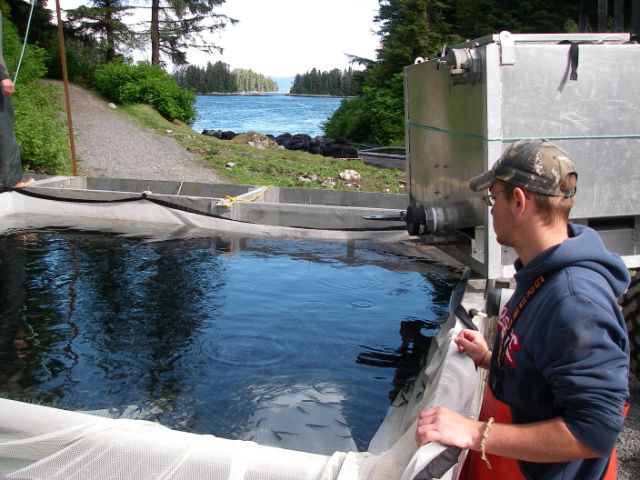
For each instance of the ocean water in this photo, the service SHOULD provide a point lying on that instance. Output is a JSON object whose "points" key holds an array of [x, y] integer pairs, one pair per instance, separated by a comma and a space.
{"points": [[269, 114], [208, 334]]}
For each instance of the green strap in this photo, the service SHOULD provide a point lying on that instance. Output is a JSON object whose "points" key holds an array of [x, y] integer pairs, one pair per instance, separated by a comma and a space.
{"points": [[477, 136]]}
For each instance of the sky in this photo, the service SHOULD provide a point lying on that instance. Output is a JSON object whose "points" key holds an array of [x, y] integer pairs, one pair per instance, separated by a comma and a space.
{"points": [[285, 37], [280, 38]]}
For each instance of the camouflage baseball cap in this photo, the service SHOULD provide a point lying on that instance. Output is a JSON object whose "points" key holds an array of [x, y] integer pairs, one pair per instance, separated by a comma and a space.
{"points": [[535, 165]]}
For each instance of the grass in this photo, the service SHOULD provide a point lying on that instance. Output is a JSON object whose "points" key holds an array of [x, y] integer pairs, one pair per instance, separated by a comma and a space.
{"points": [[277, 167]]}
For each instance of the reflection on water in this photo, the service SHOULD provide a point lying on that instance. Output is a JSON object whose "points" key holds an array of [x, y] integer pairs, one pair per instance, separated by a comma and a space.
{"points": [[203, 334]]}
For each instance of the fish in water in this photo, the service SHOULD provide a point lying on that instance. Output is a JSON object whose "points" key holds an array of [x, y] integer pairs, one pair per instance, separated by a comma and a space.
{"points": [[315, 426], [278, 434], [340, 422]]}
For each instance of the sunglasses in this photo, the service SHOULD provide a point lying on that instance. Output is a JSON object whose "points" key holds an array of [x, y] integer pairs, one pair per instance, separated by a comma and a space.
{"points": [[490, 200]]}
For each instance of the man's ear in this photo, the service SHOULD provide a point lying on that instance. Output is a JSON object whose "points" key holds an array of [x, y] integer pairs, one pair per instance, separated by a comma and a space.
{"points": [[520, 200]]}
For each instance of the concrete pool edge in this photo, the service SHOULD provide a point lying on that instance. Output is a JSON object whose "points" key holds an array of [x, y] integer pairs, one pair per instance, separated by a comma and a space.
{"points": [[329, 213]]}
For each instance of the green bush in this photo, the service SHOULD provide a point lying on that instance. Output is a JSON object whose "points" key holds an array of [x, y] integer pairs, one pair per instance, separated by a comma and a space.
{"points": [[351, 121], [33, 61], [387, 111], [145, 83], [41, 133], [82, 59], [375, 117]]}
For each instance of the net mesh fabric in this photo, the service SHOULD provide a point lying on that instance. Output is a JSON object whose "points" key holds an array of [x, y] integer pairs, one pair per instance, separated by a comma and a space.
{"points": [[39, 442]]}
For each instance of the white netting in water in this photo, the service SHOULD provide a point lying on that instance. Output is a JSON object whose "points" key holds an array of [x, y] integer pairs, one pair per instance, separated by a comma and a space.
{"points": [[39, 442]]}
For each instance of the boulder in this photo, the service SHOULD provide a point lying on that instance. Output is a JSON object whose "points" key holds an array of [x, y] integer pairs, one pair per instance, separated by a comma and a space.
{"points": [[339, 150], [350, 175], [319, 145], [228, 135], [283, 140], [257, 140], [300, 142]]}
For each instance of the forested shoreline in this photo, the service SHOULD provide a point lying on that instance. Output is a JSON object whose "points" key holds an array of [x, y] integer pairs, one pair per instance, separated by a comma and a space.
{"points": [[335, 83], [218, 78]]}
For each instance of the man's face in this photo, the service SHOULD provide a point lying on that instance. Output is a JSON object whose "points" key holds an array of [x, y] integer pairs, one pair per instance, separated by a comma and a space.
{"points": [[503, 220]]}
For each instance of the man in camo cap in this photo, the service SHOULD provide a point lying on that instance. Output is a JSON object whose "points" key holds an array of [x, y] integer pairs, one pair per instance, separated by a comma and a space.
{"points": [[558, 367], [535, 165]]}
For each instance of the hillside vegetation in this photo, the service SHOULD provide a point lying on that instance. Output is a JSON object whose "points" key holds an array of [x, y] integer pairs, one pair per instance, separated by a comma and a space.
{"points": [[278, 167]]}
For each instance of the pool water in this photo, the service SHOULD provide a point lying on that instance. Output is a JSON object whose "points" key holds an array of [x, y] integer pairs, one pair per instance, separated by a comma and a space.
{"points": [[200, 334]]}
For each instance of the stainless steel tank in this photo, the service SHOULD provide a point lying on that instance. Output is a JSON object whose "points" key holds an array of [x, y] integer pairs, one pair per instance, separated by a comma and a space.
{"points": [[463, 109]]}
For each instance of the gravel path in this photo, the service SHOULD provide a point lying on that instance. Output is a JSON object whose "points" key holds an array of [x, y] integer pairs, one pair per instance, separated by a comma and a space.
{"points": [[110, 144]]}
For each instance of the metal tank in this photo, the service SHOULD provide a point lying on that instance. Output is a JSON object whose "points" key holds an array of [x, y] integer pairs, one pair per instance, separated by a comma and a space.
{"points": [[465, 107]]}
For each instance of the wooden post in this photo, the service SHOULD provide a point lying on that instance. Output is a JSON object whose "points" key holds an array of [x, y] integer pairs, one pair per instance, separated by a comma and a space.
{"points": [[65, 79]]}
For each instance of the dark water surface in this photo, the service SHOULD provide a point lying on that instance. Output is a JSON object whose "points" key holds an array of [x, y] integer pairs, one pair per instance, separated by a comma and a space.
{"points": [[198, 332]]}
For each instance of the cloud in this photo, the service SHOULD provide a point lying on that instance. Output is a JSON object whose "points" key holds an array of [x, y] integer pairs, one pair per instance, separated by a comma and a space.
{"points": [[285, 37], [281, 38]]}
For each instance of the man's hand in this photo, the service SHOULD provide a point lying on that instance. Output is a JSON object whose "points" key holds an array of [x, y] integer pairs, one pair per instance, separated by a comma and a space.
{"points": [[473, 344], [7, 87], [445, 426]]}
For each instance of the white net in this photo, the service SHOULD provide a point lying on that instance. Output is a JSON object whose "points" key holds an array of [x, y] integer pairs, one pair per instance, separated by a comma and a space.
{"points": [[38, 442]]}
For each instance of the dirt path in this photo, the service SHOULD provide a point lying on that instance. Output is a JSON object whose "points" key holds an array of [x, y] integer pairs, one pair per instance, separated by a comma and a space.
{"points": [[111, 144]]}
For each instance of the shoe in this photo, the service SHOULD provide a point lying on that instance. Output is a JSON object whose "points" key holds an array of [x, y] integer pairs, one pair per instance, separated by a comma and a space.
{"points": [[24, 182]]}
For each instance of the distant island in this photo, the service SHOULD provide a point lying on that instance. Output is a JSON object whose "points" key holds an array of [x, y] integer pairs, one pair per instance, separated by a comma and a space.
{"points": [[218, 78], [334, 83]]}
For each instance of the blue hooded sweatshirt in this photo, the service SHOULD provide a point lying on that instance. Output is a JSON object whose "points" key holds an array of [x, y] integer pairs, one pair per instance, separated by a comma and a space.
{"points": [[568, 356]]}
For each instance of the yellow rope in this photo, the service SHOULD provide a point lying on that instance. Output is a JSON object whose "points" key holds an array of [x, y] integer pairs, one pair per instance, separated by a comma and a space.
{"points": [[230, 200]]}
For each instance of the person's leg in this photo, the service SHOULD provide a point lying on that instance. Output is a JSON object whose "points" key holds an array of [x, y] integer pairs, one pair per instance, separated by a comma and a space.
{"points": [[10, 164]]}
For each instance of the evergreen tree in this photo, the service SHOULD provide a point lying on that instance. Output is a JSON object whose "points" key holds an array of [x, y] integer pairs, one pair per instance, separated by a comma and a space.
{"points": [[334, 82], [421, 28], [408, 29], [177, 25], [216, 78], [103, 21], [250, 81]]}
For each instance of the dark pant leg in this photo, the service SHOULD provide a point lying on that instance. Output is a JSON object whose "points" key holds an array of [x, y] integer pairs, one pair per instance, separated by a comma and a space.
{"points": [[10, 165]]}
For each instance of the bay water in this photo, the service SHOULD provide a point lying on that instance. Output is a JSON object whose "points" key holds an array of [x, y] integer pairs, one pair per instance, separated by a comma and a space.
{"points": [[272, 114]]}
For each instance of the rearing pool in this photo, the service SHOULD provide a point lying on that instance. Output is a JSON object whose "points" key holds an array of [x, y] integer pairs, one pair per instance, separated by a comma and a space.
{"points": [[213, 335]]}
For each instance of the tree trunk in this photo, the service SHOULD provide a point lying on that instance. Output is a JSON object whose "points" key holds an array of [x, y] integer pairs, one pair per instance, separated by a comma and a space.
{"points": [[155, 32], [635, 17], [618, 16], [110, 34], [602, 15]]}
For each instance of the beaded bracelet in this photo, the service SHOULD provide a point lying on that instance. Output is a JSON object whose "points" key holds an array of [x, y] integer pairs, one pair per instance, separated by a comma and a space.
{"points": [[483, 439]]}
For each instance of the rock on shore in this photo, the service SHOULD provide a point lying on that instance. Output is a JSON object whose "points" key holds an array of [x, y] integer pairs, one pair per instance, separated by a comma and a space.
{"points": [[319, 145]]}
